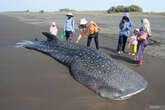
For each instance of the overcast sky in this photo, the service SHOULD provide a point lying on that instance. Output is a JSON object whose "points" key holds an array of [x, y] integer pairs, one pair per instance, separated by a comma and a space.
{"points": [[55, 5]]}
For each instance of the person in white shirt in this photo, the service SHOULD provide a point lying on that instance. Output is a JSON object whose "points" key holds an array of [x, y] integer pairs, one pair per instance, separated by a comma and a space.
{"points": [[133, 42], [69, 27]]}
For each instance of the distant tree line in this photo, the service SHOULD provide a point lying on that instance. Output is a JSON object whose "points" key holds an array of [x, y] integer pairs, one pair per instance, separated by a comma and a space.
{"points": [[27, 11], [41, 11], [121, 8], [66, 10]]}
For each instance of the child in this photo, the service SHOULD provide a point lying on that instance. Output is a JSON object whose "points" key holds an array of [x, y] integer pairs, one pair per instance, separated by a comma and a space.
{"points": [[133, 42], [53, 29]]}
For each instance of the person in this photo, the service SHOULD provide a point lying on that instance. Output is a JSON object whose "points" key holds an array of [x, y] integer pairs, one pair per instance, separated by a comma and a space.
{"points": [[69, 27], [89, 29], [142, 39], [133, 42], [147, 25], [125, 27], [53, 28]]}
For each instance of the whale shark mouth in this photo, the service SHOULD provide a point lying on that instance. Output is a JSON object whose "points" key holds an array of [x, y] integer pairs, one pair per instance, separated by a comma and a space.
{"points": [[129, 95], [118, 96]]}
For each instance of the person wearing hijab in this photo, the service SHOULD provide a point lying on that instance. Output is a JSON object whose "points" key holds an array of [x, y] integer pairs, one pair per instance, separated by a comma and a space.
{"points": [[142, 39], [125, 27], [145, 22], [53, 28]]}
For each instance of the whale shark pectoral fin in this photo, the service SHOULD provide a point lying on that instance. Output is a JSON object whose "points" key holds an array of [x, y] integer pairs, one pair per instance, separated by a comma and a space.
{"points": [[49, 36], [94, 85], [85, 79], [89, 83]]}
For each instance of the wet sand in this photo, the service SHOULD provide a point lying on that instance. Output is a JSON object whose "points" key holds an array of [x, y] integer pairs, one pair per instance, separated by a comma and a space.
{"points": [[30, 80]]}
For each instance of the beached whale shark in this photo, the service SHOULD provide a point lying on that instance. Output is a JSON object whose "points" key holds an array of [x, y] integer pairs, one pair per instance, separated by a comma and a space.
{"points": [[91, 67]]}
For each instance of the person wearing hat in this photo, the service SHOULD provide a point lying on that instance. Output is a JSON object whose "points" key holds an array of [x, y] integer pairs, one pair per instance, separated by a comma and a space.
{"points": [[53, 28], [69, 27], [89, 29]]}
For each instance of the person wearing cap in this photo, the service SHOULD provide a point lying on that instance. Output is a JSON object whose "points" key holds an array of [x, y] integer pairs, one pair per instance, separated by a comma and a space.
{"points": [[69, 27], [89, 29], [53, 28]]}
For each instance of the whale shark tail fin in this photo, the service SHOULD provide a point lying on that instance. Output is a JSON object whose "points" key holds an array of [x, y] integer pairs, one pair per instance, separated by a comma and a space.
{"points": [[50, 36], [24, 43]]}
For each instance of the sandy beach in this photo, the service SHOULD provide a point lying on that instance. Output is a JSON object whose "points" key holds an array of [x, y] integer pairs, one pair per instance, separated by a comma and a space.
{"points": [[30, 80]]}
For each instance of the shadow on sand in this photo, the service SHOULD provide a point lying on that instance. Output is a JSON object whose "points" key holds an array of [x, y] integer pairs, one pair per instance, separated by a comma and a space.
{"points": [[124, 57]]}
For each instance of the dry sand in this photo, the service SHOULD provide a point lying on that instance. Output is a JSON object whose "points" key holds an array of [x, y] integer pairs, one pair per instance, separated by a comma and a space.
{"points": [[30, 80]]}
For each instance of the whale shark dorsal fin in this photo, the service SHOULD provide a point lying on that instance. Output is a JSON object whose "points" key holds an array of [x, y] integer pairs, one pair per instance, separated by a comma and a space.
{"points": [[50, 36]]}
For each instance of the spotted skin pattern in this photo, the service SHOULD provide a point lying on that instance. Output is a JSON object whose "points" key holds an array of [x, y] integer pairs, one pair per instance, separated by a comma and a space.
{"points": [[92, 68]]}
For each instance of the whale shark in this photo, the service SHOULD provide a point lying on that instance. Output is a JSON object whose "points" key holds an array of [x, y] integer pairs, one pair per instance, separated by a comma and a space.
{"points": [[90, 67]]}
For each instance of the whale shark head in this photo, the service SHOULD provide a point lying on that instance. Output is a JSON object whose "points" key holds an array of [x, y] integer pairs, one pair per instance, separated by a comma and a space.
{"points": [[123, 84], [119, 94], [107, 77]]}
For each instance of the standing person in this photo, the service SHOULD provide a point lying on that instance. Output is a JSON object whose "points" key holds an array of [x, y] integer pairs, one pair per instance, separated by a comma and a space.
{"points": [[133, 42], [142, 43], [89, 29], [125, 27], [53, 28], [69, 27], [145, 22]]}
